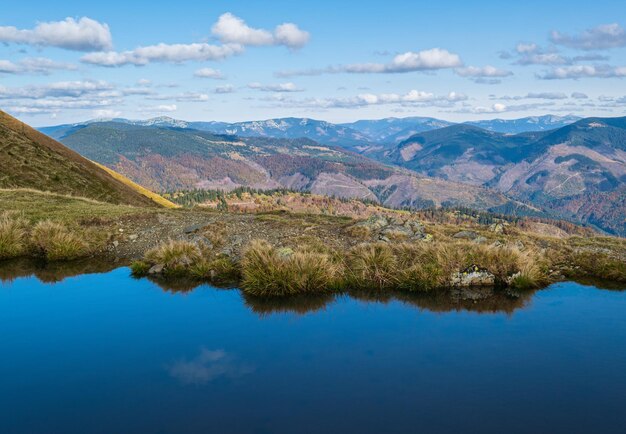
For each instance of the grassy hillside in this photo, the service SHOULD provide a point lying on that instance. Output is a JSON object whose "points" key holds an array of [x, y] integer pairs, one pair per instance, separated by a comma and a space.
{"points": [[29, 159]]}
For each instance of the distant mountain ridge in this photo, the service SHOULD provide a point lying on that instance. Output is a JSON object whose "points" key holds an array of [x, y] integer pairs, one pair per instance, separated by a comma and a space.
{"points": [[577, 171], [362, 136]]}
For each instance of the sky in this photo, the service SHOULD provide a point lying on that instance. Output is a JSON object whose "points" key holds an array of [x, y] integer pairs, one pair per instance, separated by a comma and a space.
{"points": [[70, 61]]}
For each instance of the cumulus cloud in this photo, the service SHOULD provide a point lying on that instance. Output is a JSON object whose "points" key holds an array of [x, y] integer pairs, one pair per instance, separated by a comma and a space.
{"points": [[602, 37], [34, 65], [579, 95], [281, 87], [209, 73], [583, 71], [231, 29], [84, 34], [426, 60]]}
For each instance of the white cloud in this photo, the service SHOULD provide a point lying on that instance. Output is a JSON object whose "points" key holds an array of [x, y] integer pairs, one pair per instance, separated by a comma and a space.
{"points": [[535, 95], [281, 87], [34, 65], [602, 37], [174, 53], [181, 97], [411, 98], [584, 71], [579, 95], [82, 35], [209, 73], [502, 108], [486, 74], [159, 108], [231, 29], [426, 60], [61, 89], [227, 88], [144, 82]]}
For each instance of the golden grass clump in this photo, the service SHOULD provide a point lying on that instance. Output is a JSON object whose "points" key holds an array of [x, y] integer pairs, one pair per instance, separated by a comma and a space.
{"points": [[372, 266], [13, 236], [267, 270], [55, 241], [174, 256]]}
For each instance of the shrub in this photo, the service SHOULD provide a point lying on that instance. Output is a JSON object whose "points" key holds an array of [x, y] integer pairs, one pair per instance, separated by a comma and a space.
{"points": [[268, 271], [55, 241], [13, 236]]}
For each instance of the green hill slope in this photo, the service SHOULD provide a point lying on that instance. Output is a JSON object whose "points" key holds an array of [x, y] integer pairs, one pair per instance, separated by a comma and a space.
{"points": [[30, 159]]}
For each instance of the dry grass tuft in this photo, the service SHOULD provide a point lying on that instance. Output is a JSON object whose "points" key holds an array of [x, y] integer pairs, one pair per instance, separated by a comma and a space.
{"points": [[174, 256], [13, 236], [55, 241], [276, 272]]}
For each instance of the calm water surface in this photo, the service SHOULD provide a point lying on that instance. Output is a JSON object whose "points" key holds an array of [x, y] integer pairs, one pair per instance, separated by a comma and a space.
{"points": [[105, 353]]}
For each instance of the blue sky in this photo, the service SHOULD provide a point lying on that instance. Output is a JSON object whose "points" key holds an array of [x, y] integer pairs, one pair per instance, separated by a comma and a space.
{"points": [[245, 60]]}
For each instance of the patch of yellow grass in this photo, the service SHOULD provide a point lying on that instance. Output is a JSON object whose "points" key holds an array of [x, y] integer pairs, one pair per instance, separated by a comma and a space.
{"points": [[144, 191]]}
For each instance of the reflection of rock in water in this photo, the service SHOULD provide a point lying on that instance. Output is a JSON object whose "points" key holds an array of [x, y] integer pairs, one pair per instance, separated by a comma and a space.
{"points": [[53, 272], [299, 304], [208, 366], [480, 300]]}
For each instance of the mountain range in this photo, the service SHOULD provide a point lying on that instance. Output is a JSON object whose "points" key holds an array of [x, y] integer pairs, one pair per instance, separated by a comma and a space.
{"points": [[361, 135], [171, 159], [577, 171], [564, 166]]}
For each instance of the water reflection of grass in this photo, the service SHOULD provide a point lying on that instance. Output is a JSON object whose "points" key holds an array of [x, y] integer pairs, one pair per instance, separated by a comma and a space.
{"points": [[53, 272]]}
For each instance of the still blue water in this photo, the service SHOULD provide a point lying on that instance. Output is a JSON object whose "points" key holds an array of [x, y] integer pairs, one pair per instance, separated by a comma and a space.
{"points": [[105, 353]]}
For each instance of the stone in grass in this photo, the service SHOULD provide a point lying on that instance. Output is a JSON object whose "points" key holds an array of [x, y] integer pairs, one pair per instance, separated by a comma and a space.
{"points": [[468, 235], [472, 276]]}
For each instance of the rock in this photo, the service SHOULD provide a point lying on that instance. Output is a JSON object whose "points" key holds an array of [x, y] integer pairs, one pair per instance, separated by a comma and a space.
{"points": [[472, 276], [480, 240], [133, 237], [497, 228], [375, 222], [397, 232], [469, 235], [116, 243], [415, 226], [519, 244], [497, 243], [193, 228], [156, 269]]}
